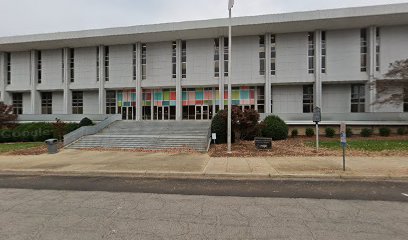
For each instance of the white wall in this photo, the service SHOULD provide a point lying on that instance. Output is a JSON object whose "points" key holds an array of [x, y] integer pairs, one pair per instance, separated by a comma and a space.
{"points": [[336, 98], [91, 102], [85, 68], [27, 103], [120, 67], [57, 103], [20, 71], [159, 65], [287, 99], [51, 69]]}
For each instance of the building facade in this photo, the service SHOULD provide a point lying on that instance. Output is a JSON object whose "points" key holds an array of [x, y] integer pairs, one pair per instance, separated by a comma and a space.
{"points": [[284, 64]]}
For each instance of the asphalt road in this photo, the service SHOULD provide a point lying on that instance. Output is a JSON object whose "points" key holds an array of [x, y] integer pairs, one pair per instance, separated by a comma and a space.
{"points": [[312, 189], [49, 215]]}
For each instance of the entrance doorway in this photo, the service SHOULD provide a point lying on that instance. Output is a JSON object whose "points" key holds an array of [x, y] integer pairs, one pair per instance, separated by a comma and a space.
{"points": [[198, 112], [129, 113], [164, 113]]}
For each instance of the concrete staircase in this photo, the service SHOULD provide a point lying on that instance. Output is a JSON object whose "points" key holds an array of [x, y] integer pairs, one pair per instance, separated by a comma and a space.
{"points": [[149, 135]]}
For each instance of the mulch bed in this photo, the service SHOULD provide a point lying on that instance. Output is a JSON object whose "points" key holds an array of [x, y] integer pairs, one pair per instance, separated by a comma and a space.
{"points": [[31, 151]]}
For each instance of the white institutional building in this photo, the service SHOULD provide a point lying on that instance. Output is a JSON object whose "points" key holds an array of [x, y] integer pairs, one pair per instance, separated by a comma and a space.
{"points": [[282, 64]]}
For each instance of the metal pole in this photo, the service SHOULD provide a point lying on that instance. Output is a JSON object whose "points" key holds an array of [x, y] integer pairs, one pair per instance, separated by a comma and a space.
{"points": [[229, 81], [344, 158], [317, 136]]}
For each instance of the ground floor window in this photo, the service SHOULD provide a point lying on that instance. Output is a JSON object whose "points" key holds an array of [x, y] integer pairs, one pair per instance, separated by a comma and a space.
{"points": [[271, 99], [198, 103], [406, 99], [110, 102], [357, 98], [308, 98], [260, 99], [17, 103], [46, 103], [159, 104], [77, 102], [126, 103]]}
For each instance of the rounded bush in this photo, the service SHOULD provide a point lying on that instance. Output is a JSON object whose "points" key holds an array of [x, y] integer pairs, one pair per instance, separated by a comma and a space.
{"points": [[310, 132], [330, 132], [385, 131], [401, 131], [85, 122], [294, 133], [275, 128], [366, 132], [349, 132], [219, 127]]}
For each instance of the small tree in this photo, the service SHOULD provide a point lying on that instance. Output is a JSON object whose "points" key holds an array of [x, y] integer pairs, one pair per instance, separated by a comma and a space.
{"points": [[7, 117]]}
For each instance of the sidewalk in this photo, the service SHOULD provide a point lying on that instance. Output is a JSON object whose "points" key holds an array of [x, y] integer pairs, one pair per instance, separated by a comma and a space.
{"points": [[195, 165]]}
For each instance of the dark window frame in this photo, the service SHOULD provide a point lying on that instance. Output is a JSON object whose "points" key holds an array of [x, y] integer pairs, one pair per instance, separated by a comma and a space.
{"points": [[308, 98], [77, 102], [46, 103]]}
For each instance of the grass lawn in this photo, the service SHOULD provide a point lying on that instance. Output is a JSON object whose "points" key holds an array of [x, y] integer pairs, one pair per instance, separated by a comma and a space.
{"points": [[365, 145], [9, 147]]}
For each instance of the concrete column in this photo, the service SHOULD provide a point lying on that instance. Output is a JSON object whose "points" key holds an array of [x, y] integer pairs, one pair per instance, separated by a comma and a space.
{"points": [[222, 77], [371, 91], [268, 73], [67, 98], [179, 90], [138, 82], [35, 95], [3, 77], [101, 86], [318, 69]]}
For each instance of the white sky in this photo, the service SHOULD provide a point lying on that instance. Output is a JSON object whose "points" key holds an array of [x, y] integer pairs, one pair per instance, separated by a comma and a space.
{"points": [[19, 17]]}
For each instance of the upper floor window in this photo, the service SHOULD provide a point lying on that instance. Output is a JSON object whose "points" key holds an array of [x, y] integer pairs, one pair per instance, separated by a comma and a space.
{"points": [[273, 54], [262, 53], [226, 56], [39, 66], [364, 49], [106, 59], [405, 99], [17, 103], [324, 51], [110, 102], [311, 51], [174, 59], [63, 64], [98, 64], [72, 64], [46, 103], [77, 102], [144, 61], [183, 59], [377, 48], [308, 98], [216, 57], [134, 62], [357, 98], [8, 60]]}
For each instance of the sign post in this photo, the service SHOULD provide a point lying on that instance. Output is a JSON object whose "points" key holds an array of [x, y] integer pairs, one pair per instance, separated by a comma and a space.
{"points": [[317, 117], [343, 139], [214, 137]]}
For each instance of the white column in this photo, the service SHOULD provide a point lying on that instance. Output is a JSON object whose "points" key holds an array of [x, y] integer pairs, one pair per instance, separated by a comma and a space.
{"points": [[318, 69], [222, 75], [138, 82], [2, 77], [35, 95], [371, 89], [268, 73], [179, 100], [67, 109], [101, 87]]}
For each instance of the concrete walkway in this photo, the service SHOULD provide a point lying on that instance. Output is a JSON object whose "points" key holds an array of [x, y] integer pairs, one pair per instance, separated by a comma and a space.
{"points": [[155, 164]]}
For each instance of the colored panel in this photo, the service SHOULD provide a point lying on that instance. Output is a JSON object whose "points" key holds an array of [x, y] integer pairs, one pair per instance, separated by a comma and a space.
{"points": [[158, 96], [173, 96], [172, 103], [199, 95], [185, 103], [120, 103], [252, 101], [133, 97], [133, 104], [126, 104], [199, 102], [191, 96], [184, 95], [235, 102], [252, 94], [120, 96], [244, 94], [192, 102], [235, 94], [166, 96]]}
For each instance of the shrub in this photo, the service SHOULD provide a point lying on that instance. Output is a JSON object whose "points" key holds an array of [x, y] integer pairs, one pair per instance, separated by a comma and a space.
{"points": [[275, 128], [219, 127], [330, 132], [349, 132], [294, 133], [401, 131], [86, 122], [249, 124], [366, 132], [385, 131], [310, 132]]}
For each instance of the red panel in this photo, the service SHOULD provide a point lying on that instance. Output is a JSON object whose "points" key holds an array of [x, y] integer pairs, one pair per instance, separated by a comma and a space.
{"points": [[173, 96]]}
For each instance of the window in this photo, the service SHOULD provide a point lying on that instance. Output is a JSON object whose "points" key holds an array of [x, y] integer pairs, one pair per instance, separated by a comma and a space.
{"points": [[311, 51], [183, 59], [377, 49], [144, 61], [216, 57], [17, 103], [357, 98], [8, 60], [406, 99], [97, 64], [174, 59], [324, 51], [106, 59], [63, 64], [46, 103], [226, 57], [271, 99], [39, 66], [364, 49], [262, 52], [72, 64], [110, 102], [273, 54], [77, 102], [134, 62], [308, 98], [260, 99]]}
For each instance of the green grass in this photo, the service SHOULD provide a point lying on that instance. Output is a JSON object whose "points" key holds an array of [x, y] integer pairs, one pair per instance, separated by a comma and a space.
{"points": [[365, 145], [9, 147]]}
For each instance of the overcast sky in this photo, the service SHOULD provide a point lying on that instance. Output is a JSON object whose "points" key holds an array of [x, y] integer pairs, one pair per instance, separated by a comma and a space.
{"points": [[19, 17]]}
